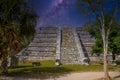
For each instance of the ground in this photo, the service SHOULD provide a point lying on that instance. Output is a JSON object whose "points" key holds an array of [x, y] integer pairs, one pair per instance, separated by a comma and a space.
{"points": [[74, 76], [87, 76]]}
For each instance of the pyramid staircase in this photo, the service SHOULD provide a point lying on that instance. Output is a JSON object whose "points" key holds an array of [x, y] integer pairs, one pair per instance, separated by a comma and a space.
{"points": [[70, 54]]}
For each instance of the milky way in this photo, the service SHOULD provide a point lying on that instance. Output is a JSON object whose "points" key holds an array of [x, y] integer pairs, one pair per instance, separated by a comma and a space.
{"points": [[54, 12], [60, 13]]}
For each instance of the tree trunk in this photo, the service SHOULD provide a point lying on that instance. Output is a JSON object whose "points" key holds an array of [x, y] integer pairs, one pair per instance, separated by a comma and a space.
{"points": [[106, 65], [4, 62], [113, 56], [105, 43]]}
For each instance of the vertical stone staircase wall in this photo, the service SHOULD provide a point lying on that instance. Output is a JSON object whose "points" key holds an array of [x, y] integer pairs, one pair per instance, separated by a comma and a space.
{"points": [[86, 41], [69, 50], [43, 46], [58, 45], [79, 46]]}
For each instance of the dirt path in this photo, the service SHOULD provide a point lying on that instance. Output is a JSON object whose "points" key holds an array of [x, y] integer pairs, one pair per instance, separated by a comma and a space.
{"points": [[86, 76], [73, 76]]}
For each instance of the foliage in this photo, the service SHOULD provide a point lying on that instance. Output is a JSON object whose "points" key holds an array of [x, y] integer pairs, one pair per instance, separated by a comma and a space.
{"points": [[114, 40], [105, 18], [27, 22], [14, 23]]}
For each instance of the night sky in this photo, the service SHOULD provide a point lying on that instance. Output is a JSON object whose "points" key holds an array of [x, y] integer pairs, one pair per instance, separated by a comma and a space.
{"points": [[58, 13]]}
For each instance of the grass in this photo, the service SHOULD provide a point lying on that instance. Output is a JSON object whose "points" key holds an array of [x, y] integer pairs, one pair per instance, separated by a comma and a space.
{"points": [[48, 69]]}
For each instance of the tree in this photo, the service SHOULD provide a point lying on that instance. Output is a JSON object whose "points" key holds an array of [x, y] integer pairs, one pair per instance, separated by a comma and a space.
{"points": [[10, 45], [28, 22], [100, 8], [113, 40], [11, 26]]}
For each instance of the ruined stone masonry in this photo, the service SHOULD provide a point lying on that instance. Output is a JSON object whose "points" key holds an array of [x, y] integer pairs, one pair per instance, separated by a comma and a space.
{"points": [[67, 44]]}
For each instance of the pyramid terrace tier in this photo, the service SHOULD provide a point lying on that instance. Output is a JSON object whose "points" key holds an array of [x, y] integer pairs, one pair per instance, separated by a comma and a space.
{"points": [[46, 36], [39, 53], [44, 40], [37, 58], [47, 32], [88, 44], [41, 49], [42, 45], [84, 35], [48, 28], [85, 40]]}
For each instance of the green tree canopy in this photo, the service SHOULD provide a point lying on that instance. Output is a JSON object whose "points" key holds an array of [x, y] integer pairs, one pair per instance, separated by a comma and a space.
{"points": [[104, 17], [17, 20], [114, 39]]}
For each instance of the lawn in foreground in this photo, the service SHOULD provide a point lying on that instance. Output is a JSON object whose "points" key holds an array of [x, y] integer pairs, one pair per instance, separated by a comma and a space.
{"points": [[48, 68]]}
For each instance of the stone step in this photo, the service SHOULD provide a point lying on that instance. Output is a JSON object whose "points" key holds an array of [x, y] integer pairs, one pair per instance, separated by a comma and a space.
{"points": [[39, 52], [68, 58], [88, 45], [48, 28], [47, 32], [42, 45], [44, 39], [40, 49], [84, 36], [87, 40], [46, 35], [36, 58], [82, 33]]}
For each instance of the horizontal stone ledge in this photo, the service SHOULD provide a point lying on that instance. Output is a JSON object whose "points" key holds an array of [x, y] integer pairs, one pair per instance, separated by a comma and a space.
{"points": [[41, 49], [48, 28], [42, 32], [85, 36], [49, 31], [46, 35], [45, 38], [42, 45], [45, 41], [36, 58], [88, 40], [38, 52], [41, 55]]}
